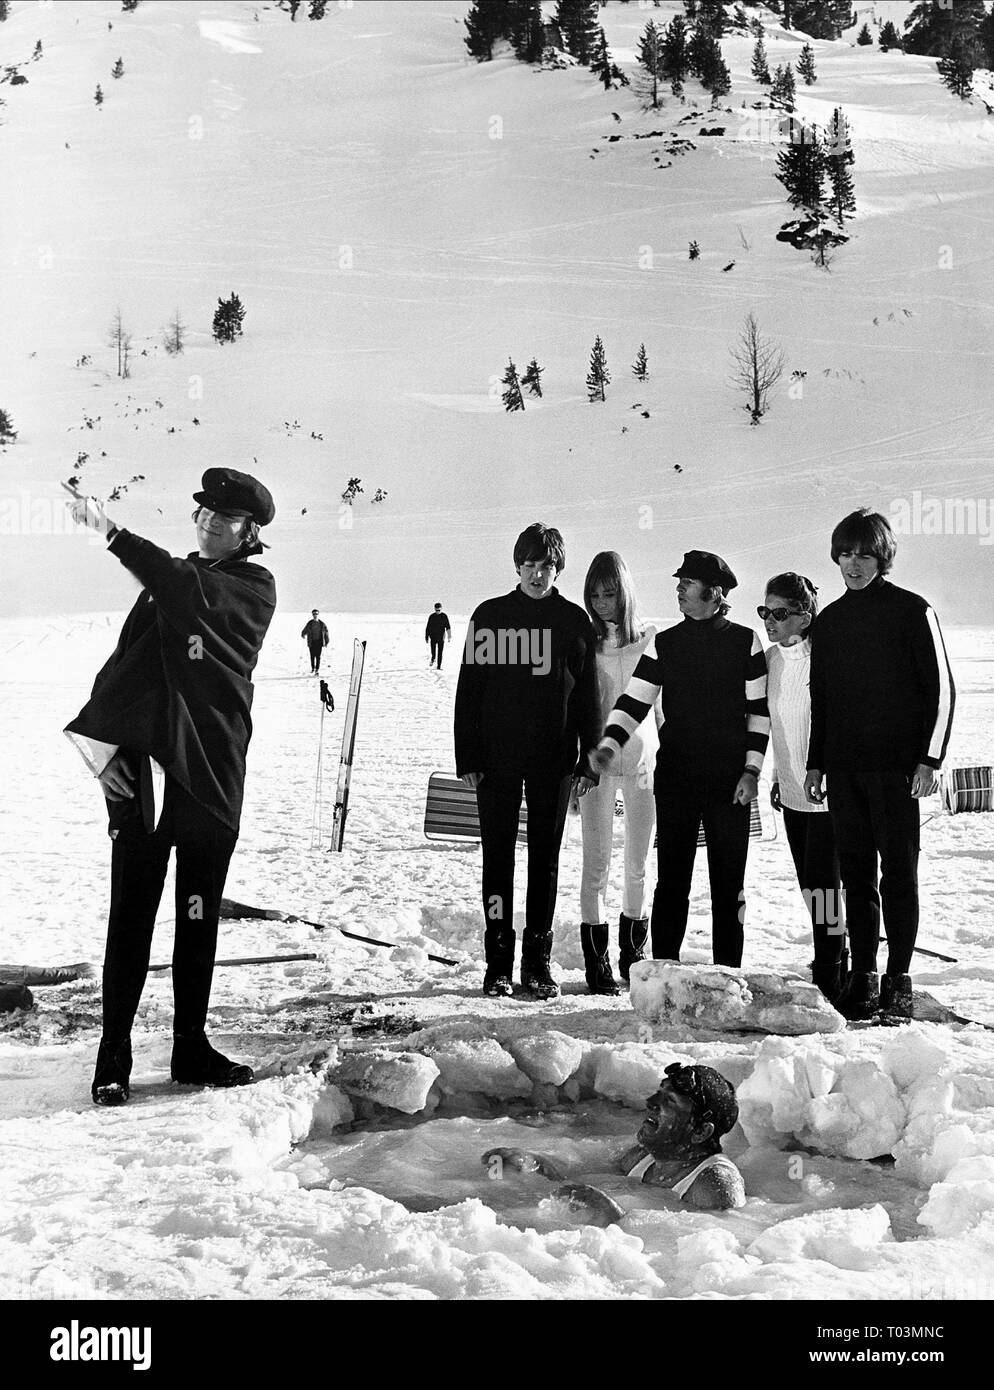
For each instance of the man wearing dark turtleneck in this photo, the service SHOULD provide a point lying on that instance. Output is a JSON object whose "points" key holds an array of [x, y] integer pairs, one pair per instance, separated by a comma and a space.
{"points": [[882, 700], [710, 675], [526, 717]]}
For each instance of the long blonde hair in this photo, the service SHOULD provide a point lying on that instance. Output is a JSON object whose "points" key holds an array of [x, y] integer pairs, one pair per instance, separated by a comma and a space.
{"points": [[609, 570]]}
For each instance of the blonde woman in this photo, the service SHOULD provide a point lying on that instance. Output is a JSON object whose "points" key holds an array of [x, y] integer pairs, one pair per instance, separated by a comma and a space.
{"points": [[609, 598]]}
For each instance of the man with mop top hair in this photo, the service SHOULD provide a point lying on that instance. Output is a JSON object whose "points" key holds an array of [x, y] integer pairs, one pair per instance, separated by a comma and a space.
{"points": [[165, 731], [526, 716], [882, 700]]}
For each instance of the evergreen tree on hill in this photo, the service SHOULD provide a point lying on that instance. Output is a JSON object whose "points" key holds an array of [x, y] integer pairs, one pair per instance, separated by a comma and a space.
{"points": [[864, 36], [933, 27], [598, 376], [4, 10], [7, 432], [650, 56], [711, 15], [228, 316], [985, 36], [531, 380], [676, 58], [783, 88], [801, 168], [482, 30], [889, 37], [512, 398], [118, 69], [525, 30], [839, 158], [822, 19], [577, 20], [640, 369], [760, 63], [602, 66], [806, 65], [956, 68]]}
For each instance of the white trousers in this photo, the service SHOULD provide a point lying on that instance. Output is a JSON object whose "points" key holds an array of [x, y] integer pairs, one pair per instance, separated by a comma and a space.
{"points": [[597, 820]]}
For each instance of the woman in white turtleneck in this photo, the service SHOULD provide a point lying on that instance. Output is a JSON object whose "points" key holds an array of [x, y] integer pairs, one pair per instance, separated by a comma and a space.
{"points": [[788, 612], [609, 597]]}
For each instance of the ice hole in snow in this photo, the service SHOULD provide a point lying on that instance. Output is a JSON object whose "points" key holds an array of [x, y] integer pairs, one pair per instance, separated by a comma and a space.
{"points": [[429, 1163]]}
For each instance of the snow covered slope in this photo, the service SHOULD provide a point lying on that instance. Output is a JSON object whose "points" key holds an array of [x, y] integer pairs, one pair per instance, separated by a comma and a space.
{"points": [[398, 221]]}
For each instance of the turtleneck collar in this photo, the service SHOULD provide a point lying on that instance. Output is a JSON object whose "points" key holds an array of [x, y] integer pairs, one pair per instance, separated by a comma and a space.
{"points": [[876, 586], [705, 627]]}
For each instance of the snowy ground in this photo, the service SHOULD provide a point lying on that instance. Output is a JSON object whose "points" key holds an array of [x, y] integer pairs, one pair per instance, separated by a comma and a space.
{"points": [[289, 1190]]}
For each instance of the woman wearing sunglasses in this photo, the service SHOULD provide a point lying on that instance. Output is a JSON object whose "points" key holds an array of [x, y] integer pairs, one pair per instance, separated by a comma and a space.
{"points": [[788, 613]]}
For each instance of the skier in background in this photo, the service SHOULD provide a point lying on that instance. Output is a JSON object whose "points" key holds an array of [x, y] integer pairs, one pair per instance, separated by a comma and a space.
{"points": [[316, 635], [165, 731], [437, 633]]}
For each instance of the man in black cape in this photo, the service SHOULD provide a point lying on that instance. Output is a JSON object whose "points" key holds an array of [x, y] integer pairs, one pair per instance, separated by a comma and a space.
{"points": [[165, 731]]}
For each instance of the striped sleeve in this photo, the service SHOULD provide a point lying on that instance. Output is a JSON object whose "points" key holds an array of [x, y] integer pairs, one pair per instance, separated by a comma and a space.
{"points": [[937, 683], [640, 694], [757, 709]]}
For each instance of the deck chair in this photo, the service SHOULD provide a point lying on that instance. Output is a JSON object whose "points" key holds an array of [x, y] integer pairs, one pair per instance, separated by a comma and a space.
{"points": [[450, 810], [760, 827], [967, 789]]}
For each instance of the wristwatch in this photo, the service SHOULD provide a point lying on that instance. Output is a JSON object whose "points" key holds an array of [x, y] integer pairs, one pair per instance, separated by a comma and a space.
{"points": [[752, 771]]}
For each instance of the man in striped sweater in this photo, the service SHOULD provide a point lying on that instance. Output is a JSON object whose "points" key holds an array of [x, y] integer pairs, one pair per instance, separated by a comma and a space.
{"points": [[882, 700], [711, 677]]}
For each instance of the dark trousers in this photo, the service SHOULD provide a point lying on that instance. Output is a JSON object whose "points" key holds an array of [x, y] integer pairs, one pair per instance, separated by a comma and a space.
{"points": [[437, 647], [876, 817], [138, 869], [498, 798], [680, 810], [315, 656], [812, 847]]}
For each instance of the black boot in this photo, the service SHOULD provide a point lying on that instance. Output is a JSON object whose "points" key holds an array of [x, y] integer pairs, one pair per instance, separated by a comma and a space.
{"points": [[860, 998], [535, 975], [498, 943], [195, 1063], [828, 978], [112, 1075], [897, 1004], [633, 933], [593, 939]]}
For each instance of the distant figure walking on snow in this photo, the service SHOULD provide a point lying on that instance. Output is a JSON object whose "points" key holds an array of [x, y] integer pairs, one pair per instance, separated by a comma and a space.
{"points": [[165, 731], [437, 633], [317, 638], [882, 700]]}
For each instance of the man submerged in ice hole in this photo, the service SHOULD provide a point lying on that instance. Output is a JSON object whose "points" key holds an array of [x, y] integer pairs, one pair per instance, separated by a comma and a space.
{"points": [[678, 1146]]}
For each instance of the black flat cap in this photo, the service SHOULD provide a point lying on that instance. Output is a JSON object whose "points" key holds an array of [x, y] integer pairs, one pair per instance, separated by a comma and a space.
{"points": [[710, 569], [238, 494]]}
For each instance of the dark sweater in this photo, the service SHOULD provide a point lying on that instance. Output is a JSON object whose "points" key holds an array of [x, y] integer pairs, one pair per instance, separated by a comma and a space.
{"points": [[527, 693], [437, 626], [711, 679], [882, 693], [178, 686]]}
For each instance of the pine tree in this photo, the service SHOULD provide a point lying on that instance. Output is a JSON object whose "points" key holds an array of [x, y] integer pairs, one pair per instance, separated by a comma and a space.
{"points": [[531, 380], [783, 88], [98, 95], [838, 158], [7, 432], [480, 32], [600, 60], [711, 15], [640, 370], [758, 367], [889, 37], [985, 37], [525, 30], [118, 69], [675, 58], [577, 20], [933, 27], [719, 79], [695, 250], [228, 316], [129, 5], [4, 10], [801, 168], [120, 339], [598, 377], [760, 62], [822, 19], [690, 6], [864, 36], [956, 69], [806, 65], [512, 397], [37, 52], [650, 56], [317, 9]]}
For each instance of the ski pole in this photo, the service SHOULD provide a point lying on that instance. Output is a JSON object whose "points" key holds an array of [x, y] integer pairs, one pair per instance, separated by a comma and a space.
{"points": [[247, 960], [229, 908]]}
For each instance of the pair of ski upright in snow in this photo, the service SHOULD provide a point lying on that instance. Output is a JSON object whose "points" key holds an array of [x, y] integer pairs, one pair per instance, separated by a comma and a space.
{"points": [[348, 749]]}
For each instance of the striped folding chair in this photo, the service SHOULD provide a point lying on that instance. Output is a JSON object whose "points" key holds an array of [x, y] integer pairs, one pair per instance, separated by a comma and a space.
{"points": [[760, 827], [967, 789], [451, 813]]}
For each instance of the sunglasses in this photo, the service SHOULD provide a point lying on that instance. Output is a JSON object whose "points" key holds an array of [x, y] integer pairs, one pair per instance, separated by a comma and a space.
{"points": [[780, 615]]}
